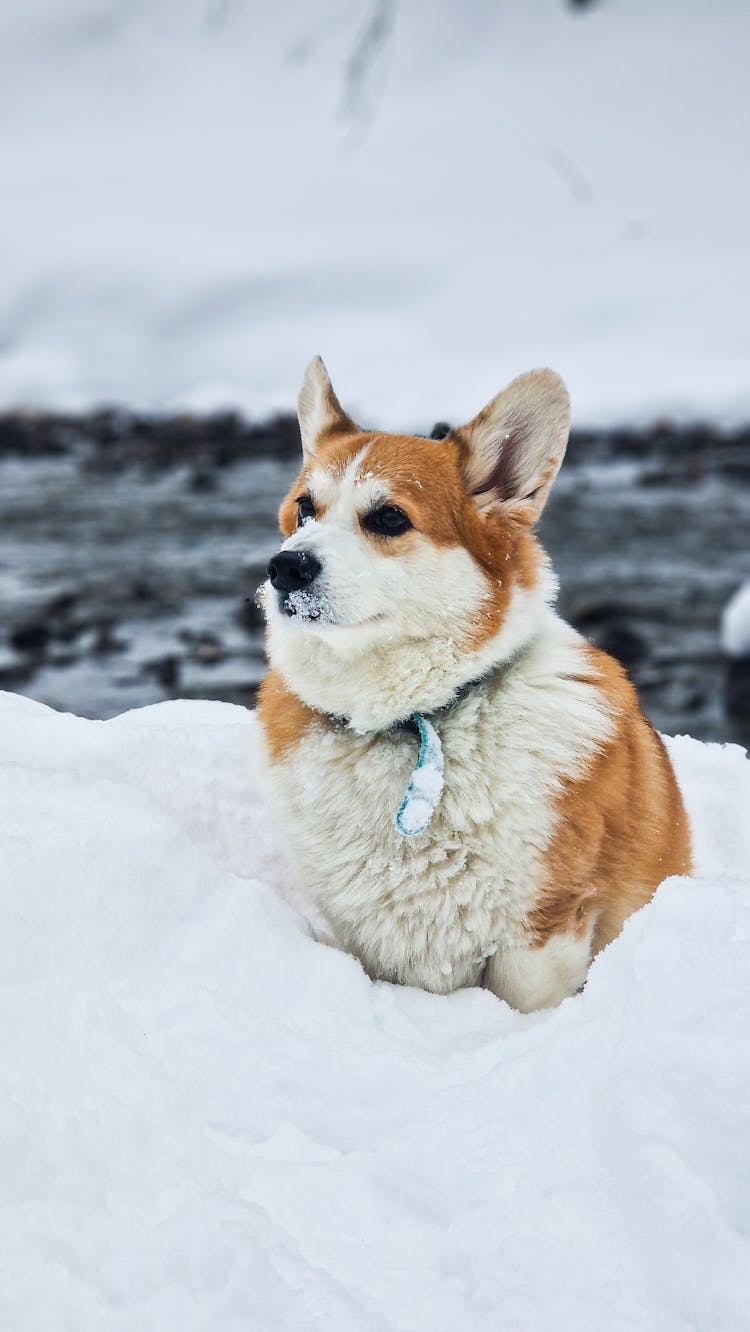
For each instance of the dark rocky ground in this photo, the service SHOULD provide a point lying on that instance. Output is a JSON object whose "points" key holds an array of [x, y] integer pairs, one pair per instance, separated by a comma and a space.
{"points": [[131, 549]]}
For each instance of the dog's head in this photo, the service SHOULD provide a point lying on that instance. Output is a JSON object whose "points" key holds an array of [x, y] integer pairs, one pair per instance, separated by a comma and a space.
{"points": [[393, 541]]}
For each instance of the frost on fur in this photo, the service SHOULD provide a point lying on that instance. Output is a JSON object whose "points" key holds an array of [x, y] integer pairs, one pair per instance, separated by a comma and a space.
{"points": [[308, 604]]}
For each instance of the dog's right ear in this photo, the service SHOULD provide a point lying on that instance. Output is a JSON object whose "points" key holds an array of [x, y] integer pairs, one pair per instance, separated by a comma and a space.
{"points": [[318, 409]]}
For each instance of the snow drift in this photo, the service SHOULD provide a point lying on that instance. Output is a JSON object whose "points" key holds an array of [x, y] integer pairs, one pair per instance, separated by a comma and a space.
{"points": [[735, 623], [210, 1120]]}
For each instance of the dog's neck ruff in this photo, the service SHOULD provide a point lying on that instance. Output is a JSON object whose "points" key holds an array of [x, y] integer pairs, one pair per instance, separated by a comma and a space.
{"points": [[426, 782]]}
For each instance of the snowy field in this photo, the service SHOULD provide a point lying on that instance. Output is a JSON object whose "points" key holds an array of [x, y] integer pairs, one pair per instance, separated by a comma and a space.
{"points": [[199, 196], [210, 1121]]}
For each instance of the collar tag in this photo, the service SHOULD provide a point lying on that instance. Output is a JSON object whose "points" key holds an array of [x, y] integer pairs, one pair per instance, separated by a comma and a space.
{"points": [[425, 784]]}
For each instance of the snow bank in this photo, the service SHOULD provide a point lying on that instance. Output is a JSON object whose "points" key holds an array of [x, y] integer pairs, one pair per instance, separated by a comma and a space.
{"points": [[199, 196], [735, 623], [208, 1120]]}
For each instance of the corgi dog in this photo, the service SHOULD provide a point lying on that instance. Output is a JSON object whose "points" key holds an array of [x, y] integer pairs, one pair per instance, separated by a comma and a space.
{"points": [[470, 791]]}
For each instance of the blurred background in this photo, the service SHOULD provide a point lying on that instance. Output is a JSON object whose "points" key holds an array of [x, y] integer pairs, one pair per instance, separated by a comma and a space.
{"points": [[199, 196]]}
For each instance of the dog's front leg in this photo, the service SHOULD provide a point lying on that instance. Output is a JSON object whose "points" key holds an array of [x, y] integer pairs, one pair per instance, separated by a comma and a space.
{"points": [[529, 978]]}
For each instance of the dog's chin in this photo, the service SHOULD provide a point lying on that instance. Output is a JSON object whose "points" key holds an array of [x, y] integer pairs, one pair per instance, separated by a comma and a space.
{"points": [[326, 625], [313, 615]]}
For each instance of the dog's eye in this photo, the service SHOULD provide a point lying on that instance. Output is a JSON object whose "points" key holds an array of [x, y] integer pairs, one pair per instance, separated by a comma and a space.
{"points": [[388, 521], [305, 509]]}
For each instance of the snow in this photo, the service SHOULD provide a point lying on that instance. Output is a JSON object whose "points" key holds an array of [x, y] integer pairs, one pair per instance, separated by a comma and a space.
{"points": [[309, 604], [735, 623], [198, 197], [209, 1120]]}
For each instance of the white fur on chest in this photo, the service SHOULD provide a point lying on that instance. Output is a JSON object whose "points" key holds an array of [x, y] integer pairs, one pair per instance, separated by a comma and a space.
{"points": [[429, 910]]}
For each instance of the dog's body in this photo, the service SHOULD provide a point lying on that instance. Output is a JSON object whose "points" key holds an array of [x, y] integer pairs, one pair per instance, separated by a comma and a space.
{"points": [[410, 583]]}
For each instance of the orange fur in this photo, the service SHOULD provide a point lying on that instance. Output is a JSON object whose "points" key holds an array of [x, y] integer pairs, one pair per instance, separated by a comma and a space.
{"points": [[285, 719], [622, 827]]}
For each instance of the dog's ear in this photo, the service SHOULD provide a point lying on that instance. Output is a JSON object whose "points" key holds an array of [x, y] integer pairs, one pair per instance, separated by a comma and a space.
{"points": [[511, 451], [318, 409]]}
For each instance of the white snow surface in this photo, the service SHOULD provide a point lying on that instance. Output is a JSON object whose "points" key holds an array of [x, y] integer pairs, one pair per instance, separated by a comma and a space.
{"points": [[198, 196], [210, 1120], [735, 623]]}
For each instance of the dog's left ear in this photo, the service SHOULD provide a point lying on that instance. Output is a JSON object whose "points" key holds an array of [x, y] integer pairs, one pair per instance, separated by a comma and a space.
{"points": [[318, 409], [511, 451]]}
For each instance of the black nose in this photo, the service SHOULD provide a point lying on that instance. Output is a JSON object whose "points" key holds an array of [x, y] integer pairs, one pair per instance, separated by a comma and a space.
{"points": [[291, 570]]}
